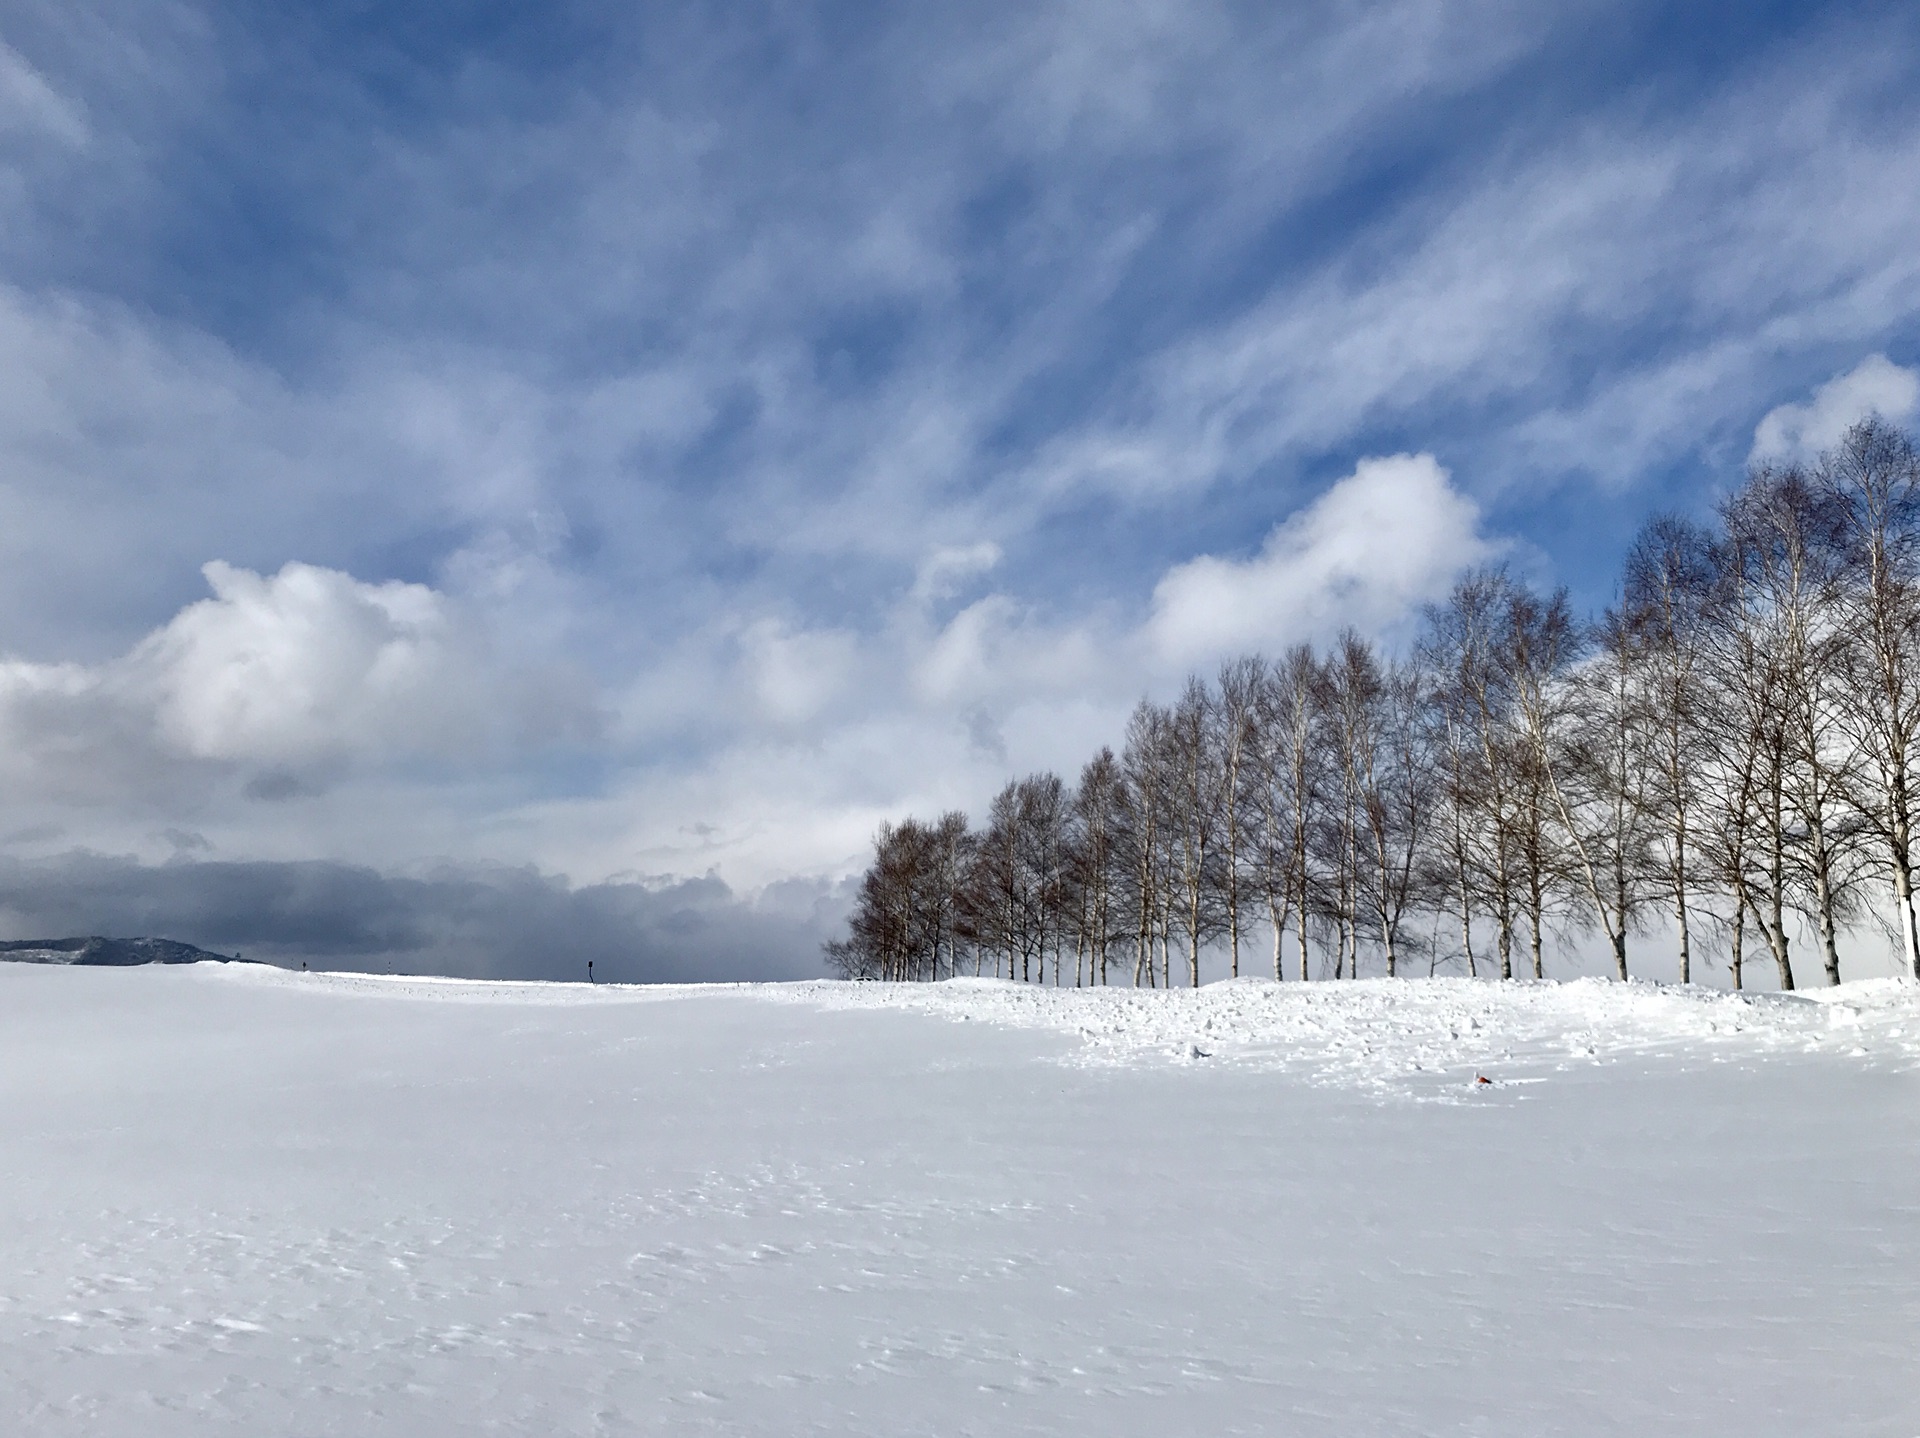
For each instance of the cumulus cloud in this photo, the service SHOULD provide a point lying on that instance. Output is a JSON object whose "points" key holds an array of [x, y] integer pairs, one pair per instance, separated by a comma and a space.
{"points": [[289, 678], [1799, 432], [1388, 537], [308, 666]]}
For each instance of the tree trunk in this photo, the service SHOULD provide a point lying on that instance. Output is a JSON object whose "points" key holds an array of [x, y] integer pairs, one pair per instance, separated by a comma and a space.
{"points": [[1901, 847], [1680, 898], [1233, 923], [1903, 897], [1301, 935], [1384, 902], [1776, 930], [1823, 888], [1777, 941], [1686, 941], [1823, 900], [1620, 919]]}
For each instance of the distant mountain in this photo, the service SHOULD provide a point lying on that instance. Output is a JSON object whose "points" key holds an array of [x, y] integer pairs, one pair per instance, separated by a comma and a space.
{"points": [[106, 953]]}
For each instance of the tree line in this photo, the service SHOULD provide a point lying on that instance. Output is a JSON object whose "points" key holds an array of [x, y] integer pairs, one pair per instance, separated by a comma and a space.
{"points": [[1728, 753]]}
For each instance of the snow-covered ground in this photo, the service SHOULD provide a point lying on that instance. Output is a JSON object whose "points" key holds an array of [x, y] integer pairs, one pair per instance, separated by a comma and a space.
{"points": [[1432, 1039], [237, 1201]]}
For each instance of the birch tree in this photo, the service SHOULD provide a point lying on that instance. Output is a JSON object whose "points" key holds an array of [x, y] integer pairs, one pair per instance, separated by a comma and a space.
{"points": [[1871, 481]]}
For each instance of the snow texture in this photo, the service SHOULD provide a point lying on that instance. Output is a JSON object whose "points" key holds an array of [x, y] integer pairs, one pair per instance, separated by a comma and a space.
{"points": [[1423, 1038], [243, 1201]]}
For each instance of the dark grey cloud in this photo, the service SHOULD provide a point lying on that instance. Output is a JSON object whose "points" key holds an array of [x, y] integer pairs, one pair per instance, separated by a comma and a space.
{"points": [[466, 921]]}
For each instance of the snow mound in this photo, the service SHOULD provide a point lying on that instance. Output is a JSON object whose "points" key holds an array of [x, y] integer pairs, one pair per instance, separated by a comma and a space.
{"points": [[1423, 1038], [1426, 1037]]}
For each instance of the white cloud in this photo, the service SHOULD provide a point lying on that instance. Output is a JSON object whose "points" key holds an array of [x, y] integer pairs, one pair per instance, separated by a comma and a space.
{"points": [[1801, 431], [835, 741], [784, 746], [1386, 538], [311, 666], [29, 103], [292, 679], [1514, 296], [610, 422], [795, 675], [997, 650], [943, 572]]}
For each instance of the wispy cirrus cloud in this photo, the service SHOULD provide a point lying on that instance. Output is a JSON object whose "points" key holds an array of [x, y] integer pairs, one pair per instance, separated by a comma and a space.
{"points": [[29, 104]]}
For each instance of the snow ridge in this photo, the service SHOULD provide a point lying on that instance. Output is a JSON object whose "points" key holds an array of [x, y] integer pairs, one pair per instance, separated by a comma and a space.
{"points": [[1424, 1037]]}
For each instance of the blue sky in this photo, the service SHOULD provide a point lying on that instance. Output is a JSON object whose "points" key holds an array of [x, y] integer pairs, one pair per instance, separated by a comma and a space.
{"points": [[649, 444]]}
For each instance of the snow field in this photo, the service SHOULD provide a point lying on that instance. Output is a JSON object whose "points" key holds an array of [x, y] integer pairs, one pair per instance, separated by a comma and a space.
{"points": [[238, 1201]]}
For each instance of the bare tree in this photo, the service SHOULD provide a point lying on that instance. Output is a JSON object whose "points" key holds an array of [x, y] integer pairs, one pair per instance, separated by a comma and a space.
{"points": [[907, 914], [949, 850], [1737, 739], [1871, 484], [1095, 856], [1287, 783], [1728, 786], [1593, 749], [1464, 649], [1789, 562], [1537, 640], [1460, 868], [1015, 895], [1349, 694], [1043, 809], [1235, 719], [1146, 771], [1761, 667], [1196, 812], [1669, 586], [1401, 795]]}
